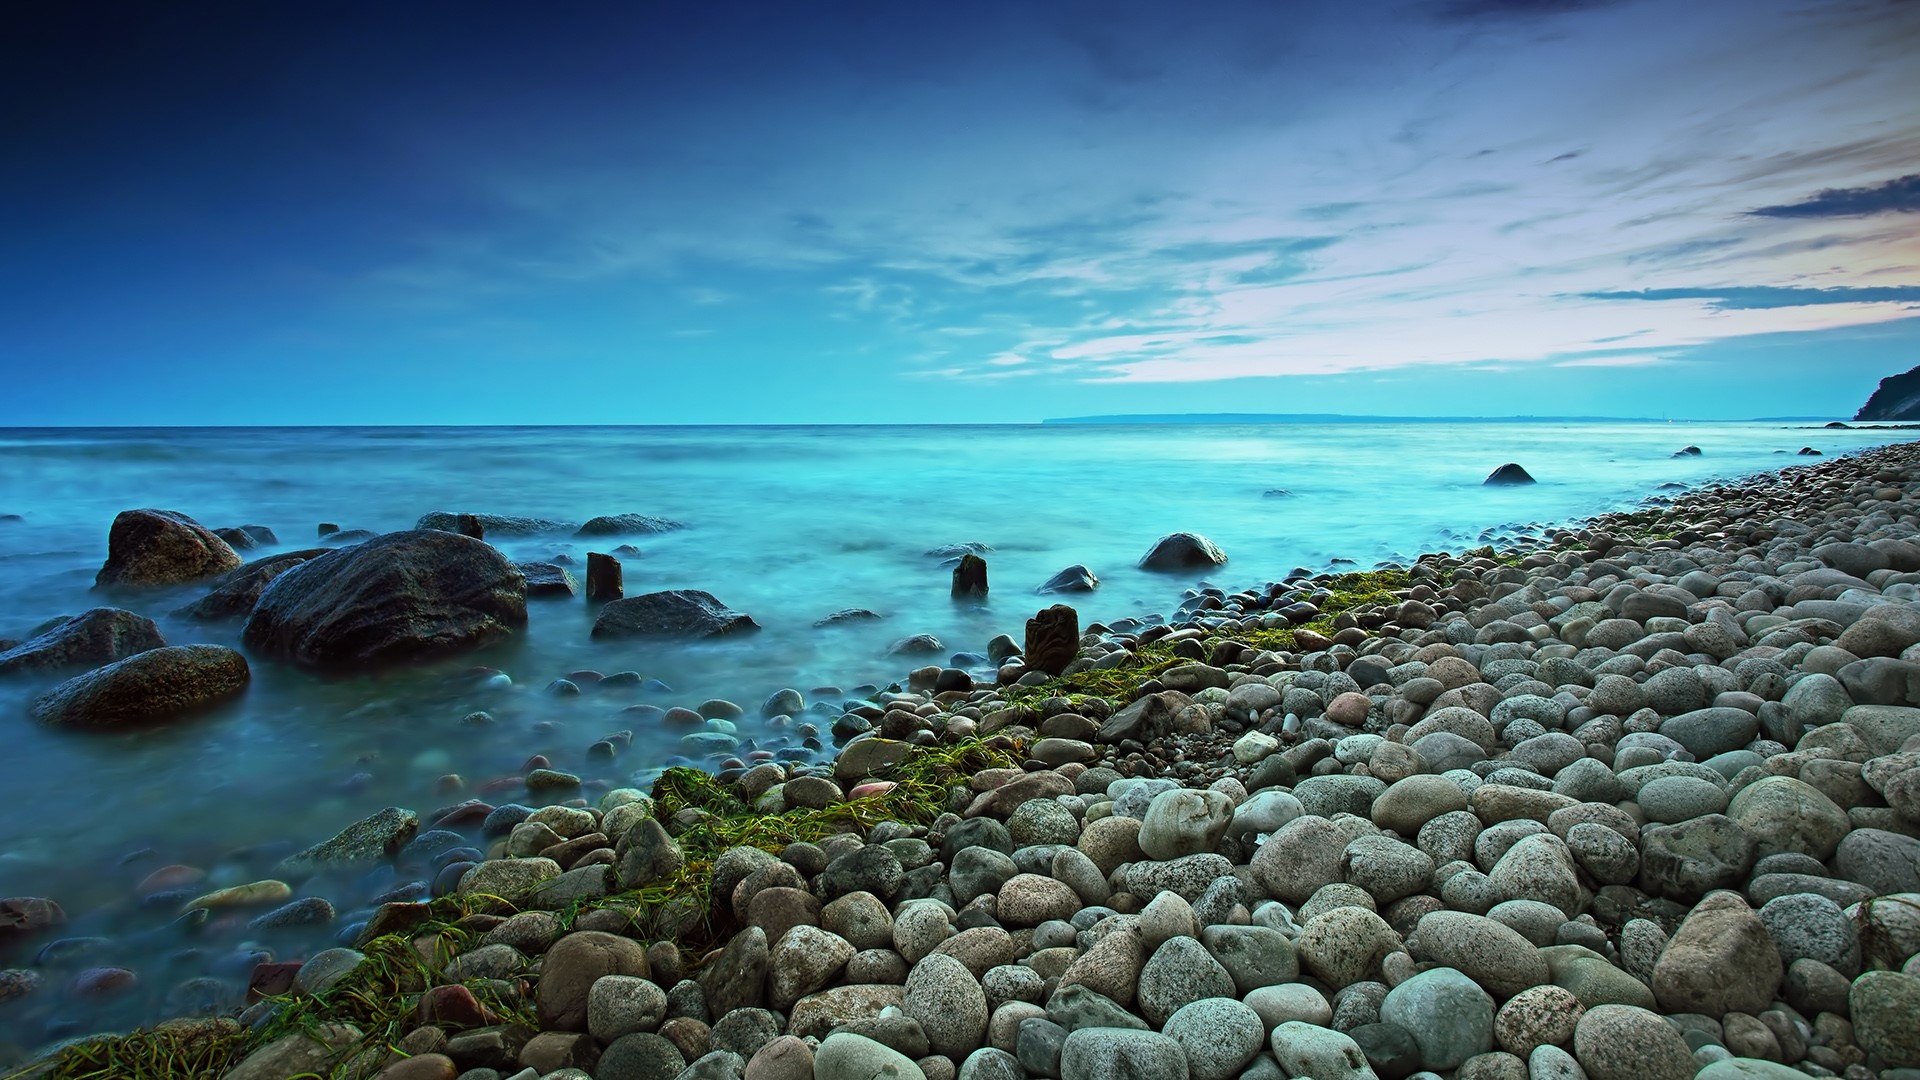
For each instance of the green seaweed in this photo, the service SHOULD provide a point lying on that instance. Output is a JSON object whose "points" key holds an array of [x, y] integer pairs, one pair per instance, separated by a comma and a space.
{"points": [[381, 995]]}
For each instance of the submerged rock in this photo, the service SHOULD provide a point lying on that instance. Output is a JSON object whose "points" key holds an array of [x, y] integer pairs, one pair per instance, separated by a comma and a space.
{"points": [[970, 576], [1075, 578], [626, 525], [364, 843], [149, 548], [678, 613], [150, 687], [493, 524], [98, 636], [401, 596]]}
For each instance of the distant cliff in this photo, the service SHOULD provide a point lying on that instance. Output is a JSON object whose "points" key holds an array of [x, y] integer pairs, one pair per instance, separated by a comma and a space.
{"points": [[1898, 398]]}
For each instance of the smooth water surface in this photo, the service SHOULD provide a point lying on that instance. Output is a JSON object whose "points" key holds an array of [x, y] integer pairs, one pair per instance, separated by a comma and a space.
{"points": [[785, 523]]}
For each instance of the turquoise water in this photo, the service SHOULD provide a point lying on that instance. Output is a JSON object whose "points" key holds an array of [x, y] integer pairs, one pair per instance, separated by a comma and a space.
{"points": [[785, 523]]}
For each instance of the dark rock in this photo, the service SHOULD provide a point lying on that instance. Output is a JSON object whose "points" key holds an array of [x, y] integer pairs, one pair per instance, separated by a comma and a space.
{"points": [[326, 529], [98, 636], [1145, 720], [397, 597], [736, 979], [1075, 578], [493, 524], [970, 576], [161, 547], [366, 842], [1808, 451], [847, 615], [603, 578], [1053, 639], [1182, 551], [646, 854], [1509, 473], [149, 687], [237, 591], [1687, 451], [469, 525], [626, 525], [247, 537], [679, 613], [570, 969], [548, 581]]}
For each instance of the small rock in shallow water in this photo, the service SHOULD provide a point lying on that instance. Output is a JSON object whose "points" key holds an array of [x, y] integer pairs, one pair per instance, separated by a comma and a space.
{"points": [[1507, 474]]}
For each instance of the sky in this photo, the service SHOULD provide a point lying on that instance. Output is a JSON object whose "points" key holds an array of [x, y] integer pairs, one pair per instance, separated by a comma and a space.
{"points": [[904, 212]]}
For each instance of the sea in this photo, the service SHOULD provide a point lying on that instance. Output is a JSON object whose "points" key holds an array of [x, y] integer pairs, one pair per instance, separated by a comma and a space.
{"points": [[787, 524]]}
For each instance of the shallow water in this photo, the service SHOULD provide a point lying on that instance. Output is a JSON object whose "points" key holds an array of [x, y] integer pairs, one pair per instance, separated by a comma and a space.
{"points": [[784, 523]]}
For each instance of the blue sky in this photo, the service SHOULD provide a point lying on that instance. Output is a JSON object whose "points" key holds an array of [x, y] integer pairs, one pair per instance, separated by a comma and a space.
{"points": [[905, 212]]}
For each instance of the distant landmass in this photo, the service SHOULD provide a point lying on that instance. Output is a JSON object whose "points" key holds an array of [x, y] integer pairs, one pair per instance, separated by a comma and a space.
{"points": [[1896, 398], [1347, 418]]}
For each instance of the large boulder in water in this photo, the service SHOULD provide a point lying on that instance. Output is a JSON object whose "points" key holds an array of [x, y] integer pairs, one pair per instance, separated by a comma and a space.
{"points": [[150, 687], [626, 525], [401, 596], [89, 639], [238, 590], [1507, 475], [162, 547], [679, 613], [1182, 551]]}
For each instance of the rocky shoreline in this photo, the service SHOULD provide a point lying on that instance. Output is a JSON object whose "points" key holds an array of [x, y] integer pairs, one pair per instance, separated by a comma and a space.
{"points": [[1640, 802]]}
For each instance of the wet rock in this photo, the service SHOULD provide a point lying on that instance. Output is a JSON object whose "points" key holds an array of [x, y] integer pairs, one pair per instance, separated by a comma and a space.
{"points": [[548, 581], [603, 578], [1075, 578], [25, 916], [492, 524], [155, 686], [1507, 475], [626, 525], [684, 614], [94, 637], [149, 548], [1182, 551], [397, 597], [307, 1052], [970, 576], [1053, 639], [366, 842], [235, 593]]}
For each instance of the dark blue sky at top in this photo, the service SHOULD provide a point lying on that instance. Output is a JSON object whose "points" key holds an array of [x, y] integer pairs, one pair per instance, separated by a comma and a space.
{"points": [[481, 213]]}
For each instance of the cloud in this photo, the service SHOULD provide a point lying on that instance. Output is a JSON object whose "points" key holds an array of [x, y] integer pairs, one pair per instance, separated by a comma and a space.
{"points": [[1764, 297], [1898, 196]]}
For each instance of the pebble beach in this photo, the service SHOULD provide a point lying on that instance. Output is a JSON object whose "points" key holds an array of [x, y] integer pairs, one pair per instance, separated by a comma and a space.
{"points": [[1637, 800]]}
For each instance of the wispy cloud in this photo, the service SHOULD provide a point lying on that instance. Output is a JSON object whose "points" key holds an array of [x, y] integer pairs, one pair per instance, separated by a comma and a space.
{"points": [[1757, 297], [1897, 196]]}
